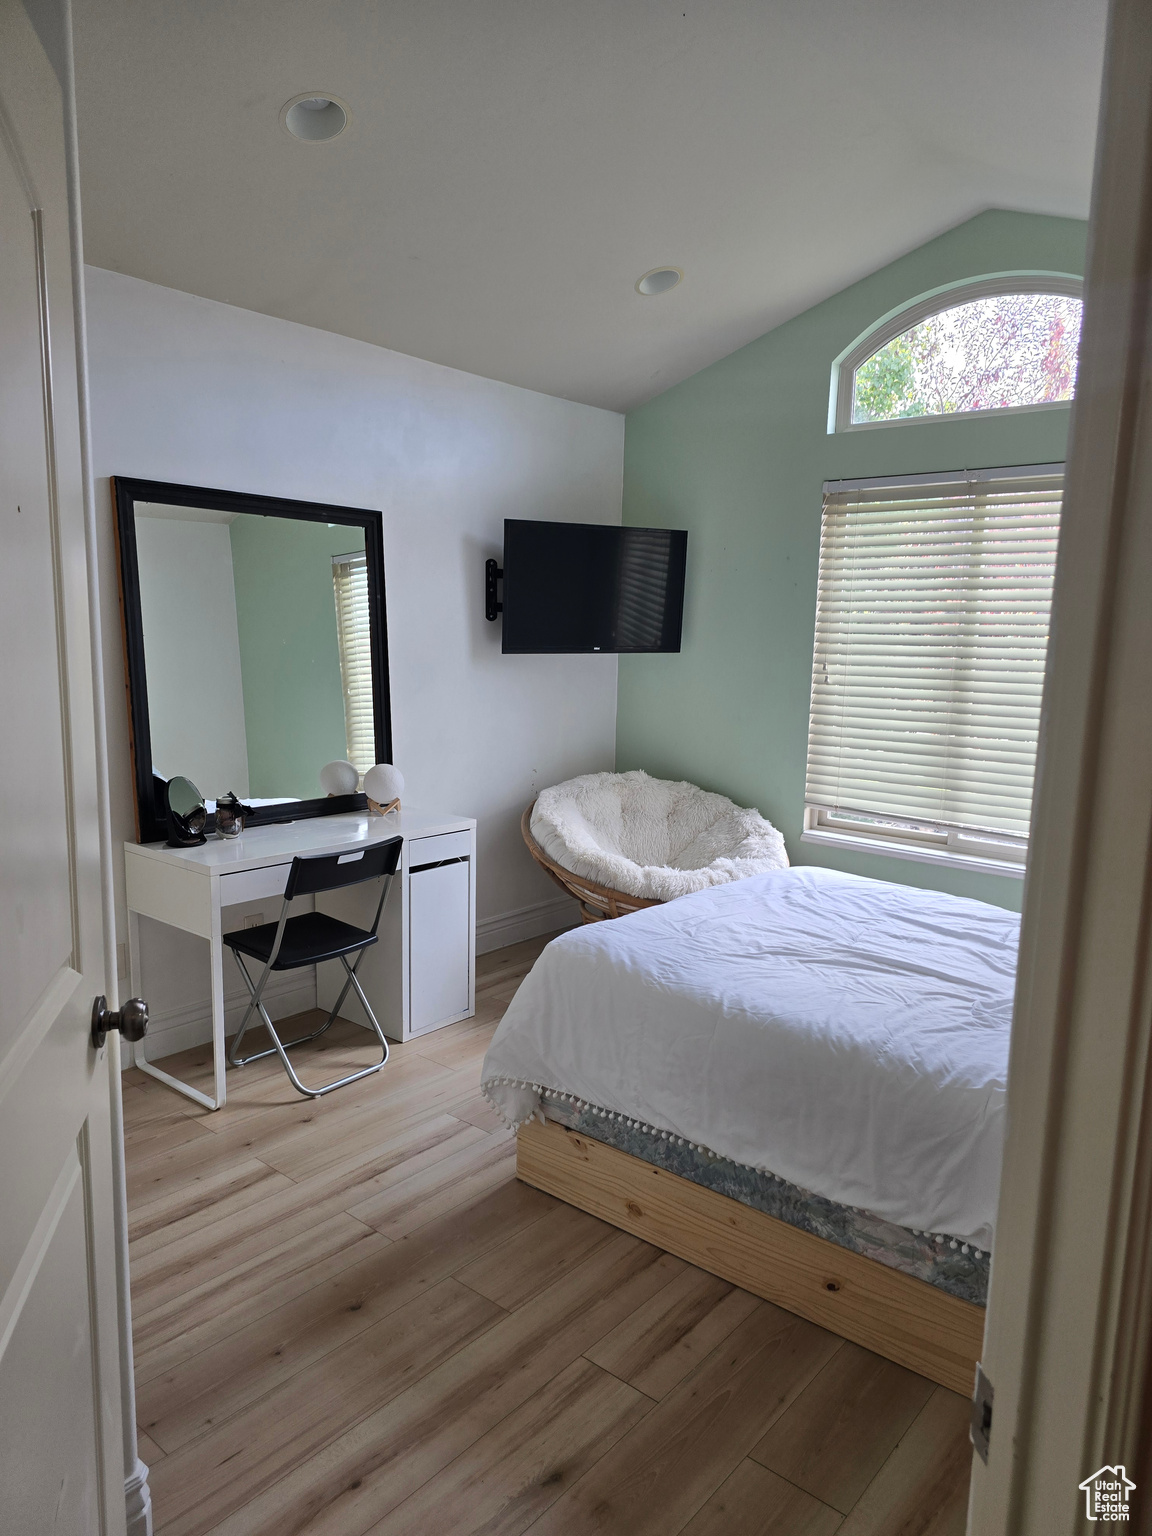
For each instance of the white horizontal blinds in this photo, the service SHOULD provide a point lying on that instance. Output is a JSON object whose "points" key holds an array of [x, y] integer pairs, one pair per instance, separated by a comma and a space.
{"points": [[350, 577], [931, 630]]}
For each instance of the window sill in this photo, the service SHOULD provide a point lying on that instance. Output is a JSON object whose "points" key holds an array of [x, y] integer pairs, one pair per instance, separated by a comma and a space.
{"points": [[892, 849], [999, 410]]}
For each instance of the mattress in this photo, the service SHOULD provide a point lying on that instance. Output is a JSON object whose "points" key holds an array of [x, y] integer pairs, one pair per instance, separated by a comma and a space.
{"points": [[845, 1037]]}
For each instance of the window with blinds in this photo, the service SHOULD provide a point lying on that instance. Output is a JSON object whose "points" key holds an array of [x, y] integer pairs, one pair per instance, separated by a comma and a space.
{"points": [[931, 632], [350, 578]]}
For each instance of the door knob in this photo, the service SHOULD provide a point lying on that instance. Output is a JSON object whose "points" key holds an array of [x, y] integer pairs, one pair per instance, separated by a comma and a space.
{"points": [[131, 1020]]}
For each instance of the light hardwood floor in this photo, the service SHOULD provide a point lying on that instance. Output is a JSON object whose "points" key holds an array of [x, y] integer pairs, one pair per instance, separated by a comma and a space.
{"points": [[351, 1318]]}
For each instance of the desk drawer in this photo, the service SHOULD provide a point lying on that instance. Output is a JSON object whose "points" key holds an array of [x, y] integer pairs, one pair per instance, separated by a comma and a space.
{"points": [[434, 850], [253, 884]]}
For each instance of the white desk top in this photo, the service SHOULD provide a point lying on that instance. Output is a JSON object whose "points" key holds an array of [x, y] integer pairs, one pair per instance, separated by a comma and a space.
{"points": [[276, 844]]}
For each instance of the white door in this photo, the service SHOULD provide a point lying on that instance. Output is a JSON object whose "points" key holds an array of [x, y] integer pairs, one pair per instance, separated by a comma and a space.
{"points": [[61, 1446]]}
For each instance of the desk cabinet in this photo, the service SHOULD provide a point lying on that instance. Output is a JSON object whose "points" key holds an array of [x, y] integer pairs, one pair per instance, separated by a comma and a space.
{"points": [[422, 974], [438, 928]]}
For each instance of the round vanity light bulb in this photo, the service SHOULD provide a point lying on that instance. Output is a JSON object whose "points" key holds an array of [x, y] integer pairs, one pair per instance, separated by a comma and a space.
{"points": [[339, 778], [384, 783]]}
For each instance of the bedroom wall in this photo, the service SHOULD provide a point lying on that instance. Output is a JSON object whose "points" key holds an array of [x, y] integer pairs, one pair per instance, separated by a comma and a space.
{"points": [[202, 393], [738, 454]]}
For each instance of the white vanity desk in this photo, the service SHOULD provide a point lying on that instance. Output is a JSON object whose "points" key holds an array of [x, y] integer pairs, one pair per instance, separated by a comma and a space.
{"points": [[420, 976]]}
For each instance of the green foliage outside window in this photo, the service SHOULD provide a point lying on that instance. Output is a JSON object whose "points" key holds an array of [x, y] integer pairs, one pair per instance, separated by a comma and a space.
{"points": [[886, 384], [1008, 350]]}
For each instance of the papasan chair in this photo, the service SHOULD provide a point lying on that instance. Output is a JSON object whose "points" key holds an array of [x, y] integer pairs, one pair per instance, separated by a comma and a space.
{"points": [[622, 841]]}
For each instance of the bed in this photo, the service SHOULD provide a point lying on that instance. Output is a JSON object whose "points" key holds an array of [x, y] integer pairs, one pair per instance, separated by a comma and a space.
{"points": [[796, 1081]]}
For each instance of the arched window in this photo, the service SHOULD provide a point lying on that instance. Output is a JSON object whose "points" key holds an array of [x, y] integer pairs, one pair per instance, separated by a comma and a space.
{"points": [[1001, 344]]}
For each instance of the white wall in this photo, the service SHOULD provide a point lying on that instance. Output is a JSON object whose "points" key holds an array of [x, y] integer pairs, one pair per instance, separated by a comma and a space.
{"points": [[188, 390], [192, 647]]}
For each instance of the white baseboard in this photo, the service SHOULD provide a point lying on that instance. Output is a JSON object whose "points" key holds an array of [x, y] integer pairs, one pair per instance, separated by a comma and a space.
{"points": [[526, 923], [138, 1501], [178, 1029]]}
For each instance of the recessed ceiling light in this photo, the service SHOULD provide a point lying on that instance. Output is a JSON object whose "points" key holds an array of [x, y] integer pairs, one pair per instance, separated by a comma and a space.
{"points": [[314, 118], [659, 280]]}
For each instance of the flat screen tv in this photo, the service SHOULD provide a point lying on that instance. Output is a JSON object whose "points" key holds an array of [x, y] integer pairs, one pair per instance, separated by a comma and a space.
{"points": [[587, 587]]}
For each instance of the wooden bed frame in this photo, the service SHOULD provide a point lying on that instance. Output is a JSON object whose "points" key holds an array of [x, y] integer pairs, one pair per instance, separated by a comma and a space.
{"points": [[895, 1315]]}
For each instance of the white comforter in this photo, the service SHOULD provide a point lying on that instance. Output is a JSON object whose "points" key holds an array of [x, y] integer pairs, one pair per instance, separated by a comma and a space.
{"points": [[848, 1035]]}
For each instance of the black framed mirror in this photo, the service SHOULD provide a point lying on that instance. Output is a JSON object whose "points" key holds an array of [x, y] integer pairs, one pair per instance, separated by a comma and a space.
{"points": [[255, 645]]}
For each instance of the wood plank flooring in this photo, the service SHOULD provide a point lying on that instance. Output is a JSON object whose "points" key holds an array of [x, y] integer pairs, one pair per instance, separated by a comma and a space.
{"points": [[350, 1318]]}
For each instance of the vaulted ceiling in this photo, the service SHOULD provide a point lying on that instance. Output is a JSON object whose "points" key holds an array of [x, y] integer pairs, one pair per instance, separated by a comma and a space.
{"points": [[511, 167]]}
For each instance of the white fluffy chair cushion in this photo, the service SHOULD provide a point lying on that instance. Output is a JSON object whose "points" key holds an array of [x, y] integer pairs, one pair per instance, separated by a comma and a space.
{"points": [[652, 837]]}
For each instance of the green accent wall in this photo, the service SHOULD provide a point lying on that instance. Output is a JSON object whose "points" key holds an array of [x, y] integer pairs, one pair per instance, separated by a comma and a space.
{"points": [[289, 649], [738, 454]]}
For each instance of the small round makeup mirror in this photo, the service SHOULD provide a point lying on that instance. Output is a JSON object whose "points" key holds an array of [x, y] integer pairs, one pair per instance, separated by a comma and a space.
{"points": [[186, 814]]}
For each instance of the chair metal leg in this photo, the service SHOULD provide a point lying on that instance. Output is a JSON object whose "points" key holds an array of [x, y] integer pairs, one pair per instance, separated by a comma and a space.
{"points": [[281, 1047], [254, 1006]]}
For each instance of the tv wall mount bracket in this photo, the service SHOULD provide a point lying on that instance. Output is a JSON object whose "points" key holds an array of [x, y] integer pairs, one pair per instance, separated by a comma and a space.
{"points": [[492, 606]]}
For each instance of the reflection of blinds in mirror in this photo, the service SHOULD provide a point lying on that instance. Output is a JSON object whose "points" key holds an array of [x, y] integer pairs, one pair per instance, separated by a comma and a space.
{"points": [[645, 562], [350, 578]]}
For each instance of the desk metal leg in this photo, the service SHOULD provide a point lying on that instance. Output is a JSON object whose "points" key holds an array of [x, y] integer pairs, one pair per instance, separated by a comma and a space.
{"points": [[174, 1082], [219, 1061], [140, 1059]]}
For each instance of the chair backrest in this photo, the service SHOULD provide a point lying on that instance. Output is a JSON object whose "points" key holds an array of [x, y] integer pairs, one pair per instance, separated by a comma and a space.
{"points": [[329, 871]]}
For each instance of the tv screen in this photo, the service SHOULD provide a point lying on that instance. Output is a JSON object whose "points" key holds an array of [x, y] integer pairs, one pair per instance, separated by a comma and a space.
{"points": [[587, 587]]}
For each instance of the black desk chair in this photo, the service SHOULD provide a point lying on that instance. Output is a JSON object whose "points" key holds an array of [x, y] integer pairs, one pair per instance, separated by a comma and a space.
{"points": [[310, 938]]}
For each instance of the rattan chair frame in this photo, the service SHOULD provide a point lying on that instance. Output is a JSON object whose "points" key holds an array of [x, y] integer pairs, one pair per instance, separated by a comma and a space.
{"points": [[597, 902]]}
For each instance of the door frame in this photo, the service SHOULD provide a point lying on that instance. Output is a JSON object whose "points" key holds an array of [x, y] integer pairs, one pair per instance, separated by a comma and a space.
{"points": [[137, 1495], [1070, 1304]]}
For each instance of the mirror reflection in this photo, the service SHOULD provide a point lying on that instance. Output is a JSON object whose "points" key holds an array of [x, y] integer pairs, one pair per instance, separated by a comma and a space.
{"points": [[256, 649], [184, 799]]}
